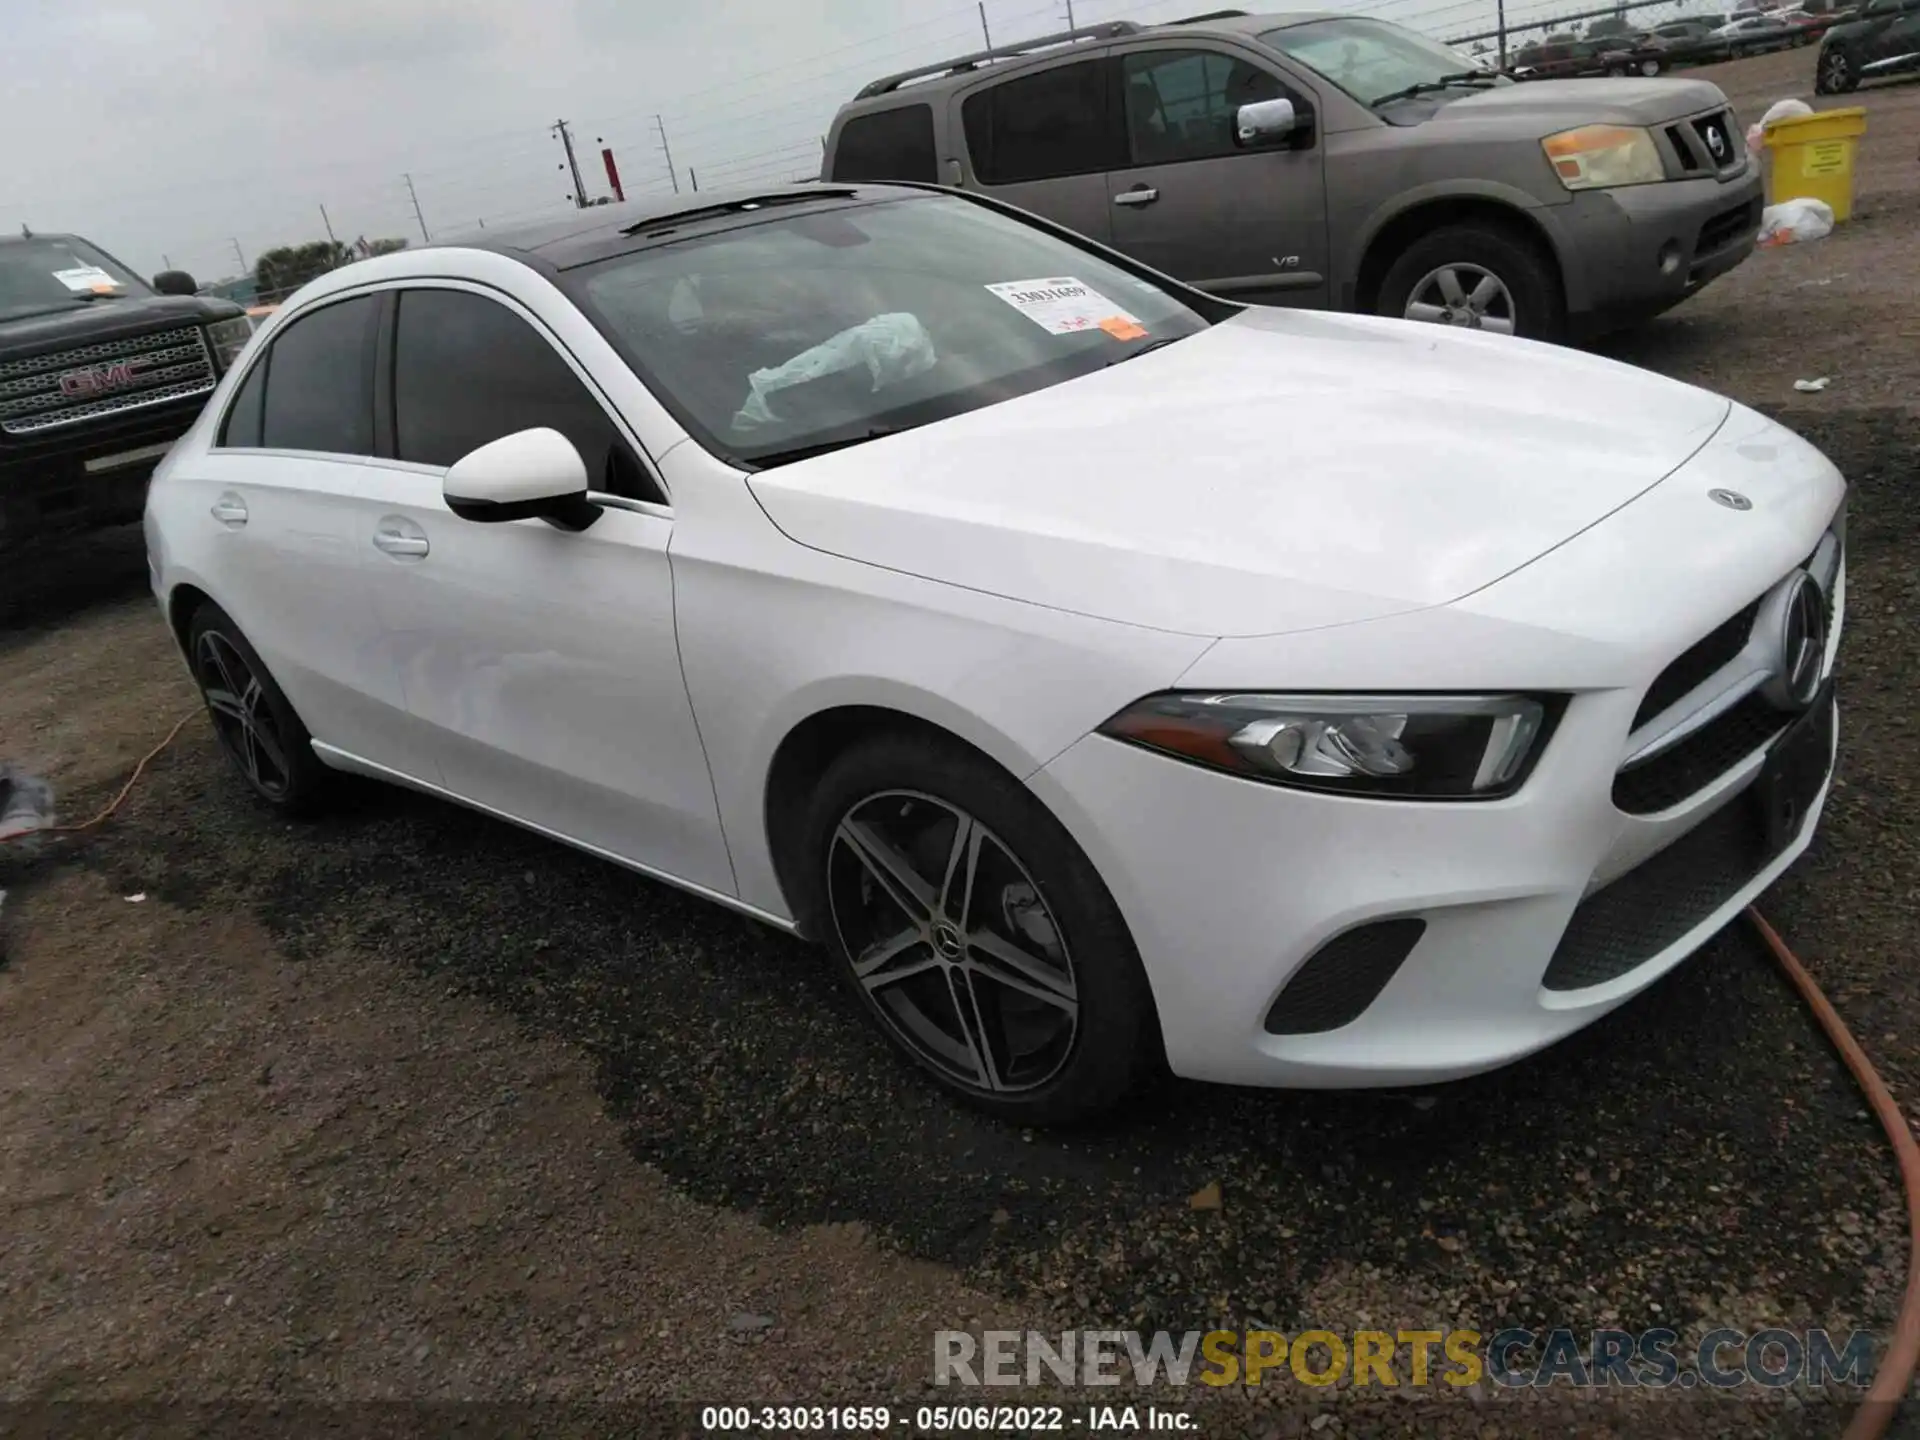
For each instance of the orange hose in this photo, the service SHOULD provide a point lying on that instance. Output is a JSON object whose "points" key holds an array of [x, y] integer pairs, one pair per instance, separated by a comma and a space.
{"points": [[1895, 1374], [115, 803]]}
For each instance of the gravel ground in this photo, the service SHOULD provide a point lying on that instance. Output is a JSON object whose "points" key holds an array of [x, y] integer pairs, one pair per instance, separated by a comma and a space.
{"points": [[409, 1105]]}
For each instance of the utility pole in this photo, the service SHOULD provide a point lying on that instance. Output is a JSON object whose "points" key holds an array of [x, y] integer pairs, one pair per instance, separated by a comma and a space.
{"points": [[988, 34], [238, 255], [667, 150], [1070, 24], [411, 195], [166, 261], [1503, 34], [693, 179], [566, 142], [331, 240]]}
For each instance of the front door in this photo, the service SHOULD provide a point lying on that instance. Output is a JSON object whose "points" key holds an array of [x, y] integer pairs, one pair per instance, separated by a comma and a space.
{"points": [[543, 662], [1246, 223]]}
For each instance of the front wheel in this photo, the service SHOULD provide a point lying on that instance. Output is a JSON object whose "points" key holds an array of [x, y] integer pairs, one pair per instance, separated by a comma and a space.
{"points": [[1476, 277], [1835, 75], [1651, 68], [976, 932]]}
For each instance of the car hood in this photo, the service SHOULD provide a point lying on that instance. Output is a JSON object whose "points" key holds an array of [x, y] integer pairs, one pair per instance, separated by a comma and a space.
{"points": [[1283, 470], [1559, 104], [103, 320]]}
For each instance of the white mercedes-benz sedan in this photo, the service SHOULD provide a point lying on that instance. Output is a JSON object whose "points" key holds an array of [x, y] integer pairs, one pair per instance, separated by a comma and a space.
{"points": [[1108, 675]]}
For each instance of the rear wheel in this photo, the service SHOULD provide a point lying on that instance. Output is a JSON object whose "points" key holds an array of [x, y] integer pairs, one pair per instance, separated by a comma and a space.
{"points": [[1476, 277], [257, 728], [1651, 67], [976, 932]]}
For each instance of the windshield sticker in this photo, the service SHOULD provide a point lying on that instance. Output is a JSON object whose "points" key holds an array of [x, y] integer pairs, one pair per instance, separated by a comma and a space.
{"points": [[86, 279], [1065, 306]]}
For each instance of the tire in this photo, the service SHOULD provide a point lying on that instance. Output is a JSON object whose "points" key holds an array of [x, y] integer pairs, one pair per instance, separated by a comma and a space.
{"points": [[1651, 68], [1835, 73], [1061, 1025], [1616, 71], [1532, 284], [259, 733]]}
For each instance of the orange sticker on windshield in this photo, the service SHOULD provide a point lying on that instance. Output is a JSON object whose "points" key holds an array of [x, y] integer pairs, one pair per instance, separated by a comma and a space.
{"points": [[1121, 328]]}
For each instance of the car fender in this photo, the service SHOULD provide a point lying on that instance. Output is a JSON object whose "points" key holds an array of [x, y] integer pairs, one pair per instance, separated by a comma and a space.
{"points": [[1397, 206]]}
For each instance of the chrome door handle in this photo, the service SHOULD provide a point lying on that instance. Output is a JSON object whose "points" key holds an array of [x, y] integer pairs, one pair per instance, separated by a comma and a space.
{"points": [[401, 538], [230, 510], [1141, 195]]}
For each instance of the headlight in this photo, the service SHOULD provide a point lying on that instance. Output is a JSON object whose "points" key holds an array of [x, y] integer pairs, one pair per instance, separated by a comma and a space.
{"points": [[228, 338], [1595, 157], [1407, 747]]}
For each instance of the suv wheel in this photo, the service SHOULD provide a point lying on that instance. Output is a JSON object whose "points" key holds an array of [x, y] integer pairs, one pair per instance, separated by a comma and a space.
{"points": [[976, 932], [1651, 67], [257, 729], [1836, 75], [1478, 277]]}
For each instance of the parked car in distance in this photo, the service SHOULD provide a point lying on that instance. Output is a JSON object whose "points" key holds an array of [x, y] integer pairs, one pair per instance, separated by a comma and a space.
{"points": [[1432, 782], [1759, 34], [1335, 161], [1881, 39], [1693, 42], [99, 373]]}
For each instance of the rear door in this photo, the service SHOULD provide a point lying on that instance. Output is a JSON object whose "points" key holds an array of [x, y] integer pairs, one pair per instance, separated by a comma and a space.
{"points": [[285, 487], [1044, 140], [1247, 223]]}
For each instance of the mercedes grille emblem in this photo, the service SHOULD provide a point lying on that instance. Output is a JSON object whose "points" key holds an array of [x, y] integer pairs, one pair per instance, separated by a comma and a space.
{"points": [[1798, 620], [1732, 499]]}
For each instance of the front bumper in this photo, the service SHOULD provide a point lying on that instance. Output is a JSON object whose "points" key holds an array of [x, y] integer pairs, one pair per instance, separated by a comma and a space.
{"points": [[87, 476], [1633, 252], [1535, 914]]}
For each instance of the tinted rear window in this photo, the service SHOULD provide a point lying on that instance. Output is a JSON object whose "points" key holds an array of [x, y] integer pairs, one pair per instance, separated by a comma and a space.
{"points": [[320, 381], [887, 145], [1035, 127]]}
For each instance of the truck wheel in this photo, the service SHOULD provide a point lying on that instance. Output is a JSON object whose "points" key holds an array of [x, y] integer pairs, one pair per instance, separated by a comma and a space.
{"points": [[1478, 277], [1836, 75], [1650, 68]]}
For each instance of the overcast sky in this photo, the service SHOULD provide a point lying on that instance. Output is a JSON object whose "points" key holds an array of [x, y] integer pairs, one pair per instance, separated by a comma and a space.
{"points": [[236, 120]]}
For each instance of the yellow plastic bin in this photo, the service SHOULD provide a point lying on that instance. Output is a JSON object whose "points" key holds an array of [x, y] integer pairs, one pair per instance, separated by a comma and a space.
{"points": [[1813, 157]]}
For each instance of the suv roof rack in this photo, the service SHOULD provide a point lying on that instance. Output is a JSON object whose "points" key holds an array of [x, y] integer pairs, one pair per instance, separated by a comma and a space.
{"points": [[1199, 19], [1110, 30]]}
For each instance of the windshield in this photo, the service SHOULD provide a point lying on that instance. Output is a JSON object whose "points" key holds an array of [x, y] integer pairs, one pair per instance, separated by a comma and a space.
{"points": [[1374, 61], [57, 273], [803, 332]]}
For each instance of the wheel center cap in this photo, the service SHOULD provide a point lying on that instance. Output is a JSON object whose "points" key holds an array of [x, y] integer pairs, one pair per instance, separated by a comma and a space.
{"points": [[947, 943]]}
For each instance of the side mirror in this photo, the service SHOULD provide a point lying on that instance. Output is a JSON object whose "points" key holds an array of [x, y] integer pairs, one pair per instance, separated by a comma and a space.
{"points": [[1265, 121], [175, 282], [529, 475]]}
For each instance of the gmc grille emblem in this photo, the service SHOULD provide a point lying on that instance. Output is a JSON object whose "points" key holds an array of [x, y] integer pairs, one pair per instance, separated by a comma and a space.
{"points": [[99, 379]]}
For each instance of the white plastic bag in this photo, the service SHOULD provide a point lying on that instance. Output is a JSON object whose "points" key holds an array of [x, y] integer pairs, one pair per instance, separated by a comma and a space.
{"points": [[889, 347], [1792, 221], [1779, 110]]}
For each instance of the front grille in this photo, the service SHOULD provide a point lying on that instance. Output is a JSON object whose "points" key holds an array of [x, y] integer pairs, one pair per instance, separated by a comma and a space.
{"points": [[1647, 909], [1343, 977], [103, 379], [1728, 226], [1630, 920], [1697, 664], [1697, 761]]}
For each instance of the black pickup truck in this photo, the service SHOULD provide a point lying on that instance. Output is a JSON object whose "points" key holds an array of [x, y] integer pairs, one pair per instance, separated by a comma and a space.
{"points": [[99, 374]]}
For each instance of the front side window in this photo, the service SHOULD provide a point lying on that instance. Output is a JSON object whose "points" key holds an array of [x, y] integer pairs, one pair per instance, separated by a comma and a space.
{"points": [[1183, 104], [59, 272], [467, 371], [1375, 62], [799, 332], [1039, 127], [319, 381], [892, 144]]}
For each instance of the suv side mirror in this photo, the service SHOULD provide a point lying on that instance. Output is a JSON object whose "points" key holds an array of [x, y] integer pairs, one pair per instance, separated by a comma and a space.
{"points": [[1265, 121], [175, 282], [532, 474]]}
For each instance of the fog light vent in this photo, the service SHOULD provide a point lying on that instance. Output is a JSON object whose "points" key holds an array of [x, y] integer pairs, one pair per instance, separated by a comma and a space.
{"points": [[1343, 977]]}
